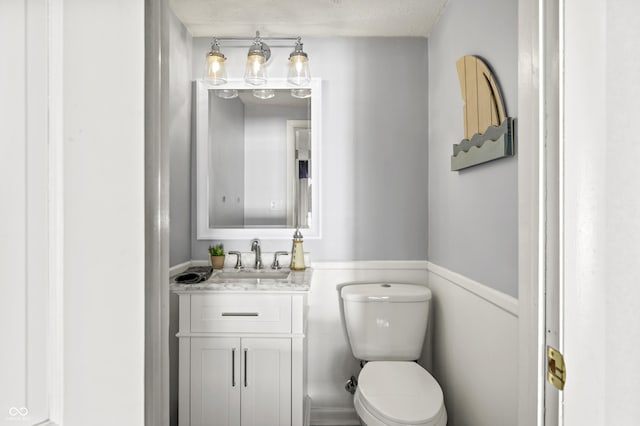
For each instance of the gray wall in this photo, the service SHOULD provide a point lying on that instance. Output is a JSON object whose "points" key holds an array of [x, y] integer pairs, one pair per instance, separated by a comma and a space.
{"points": [[226, 160], [374, 146], [179, 140], [473, 213]]}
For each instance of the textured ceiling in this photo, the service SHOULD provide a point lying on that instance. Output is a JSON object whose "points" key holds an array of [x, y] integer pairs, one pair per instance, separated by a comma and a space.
{"points": [[312, 18]]}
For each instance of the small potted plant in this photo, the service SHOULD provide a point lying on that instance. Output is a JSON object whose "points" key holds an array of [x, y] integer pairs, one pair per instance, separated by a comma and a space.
{"points": [[217, 256]]}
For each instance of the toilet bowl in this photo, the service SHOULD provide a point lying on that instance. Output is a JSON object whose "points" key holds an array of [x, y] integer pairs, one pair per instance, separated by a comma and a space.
{"points": [[398, 393]]}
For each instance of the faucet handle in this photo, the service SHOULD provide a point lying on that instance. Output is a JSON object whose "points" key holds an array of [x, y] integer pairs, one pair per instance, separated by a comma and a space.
{"points": [[238, 259], [276, 261]]}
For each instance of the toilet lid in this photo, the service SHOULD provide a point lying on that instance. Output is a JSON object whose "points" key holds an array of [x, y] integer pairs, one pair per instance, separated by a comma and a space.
{"points": [[400, 392]]}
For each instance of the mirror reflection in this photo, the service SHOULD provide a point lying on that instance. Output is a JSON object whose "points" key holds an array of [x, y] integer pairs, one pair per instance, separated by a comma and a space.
{"points": [[259, 165]]}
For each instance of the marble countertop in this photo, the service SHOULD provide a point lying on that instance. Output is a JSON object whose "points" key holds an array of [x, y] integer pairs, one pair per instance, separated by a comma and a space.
{"points": [[297, 281]]}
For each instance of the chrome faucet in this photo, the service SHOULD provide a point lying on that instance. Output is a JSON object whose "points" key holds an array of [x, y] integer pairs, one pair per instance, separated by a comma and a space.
{"points": [[255, 247]]}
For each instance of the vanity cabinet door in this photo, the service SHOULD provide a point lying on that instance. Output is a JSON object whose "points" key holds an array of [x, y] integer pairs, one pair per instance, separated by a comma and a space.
{"points": [[266, 382], [215, 381]]}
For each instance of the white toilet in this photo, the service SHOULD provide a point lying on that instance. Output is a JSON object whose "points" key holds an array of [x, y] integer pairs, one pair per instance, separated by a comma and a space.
{"points": [[386, 325]]}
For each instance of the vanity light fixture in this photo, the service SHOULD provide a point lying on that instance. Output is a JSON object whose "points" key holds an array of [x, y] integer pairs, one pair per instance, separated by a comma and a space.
{"points": [[298, 66], [257, 58], [259, 53], [215, 72]]}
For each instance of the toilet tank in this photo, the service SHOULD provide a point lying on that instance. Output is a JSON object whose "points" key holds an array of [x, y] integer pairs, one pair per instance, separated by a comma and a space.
{"points": [[386, 321]]}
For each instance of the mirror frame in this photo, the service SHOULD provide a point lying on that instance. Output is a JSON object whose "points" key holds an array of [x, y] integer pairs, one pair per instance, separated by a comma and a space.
{"points": [[201, 126]]}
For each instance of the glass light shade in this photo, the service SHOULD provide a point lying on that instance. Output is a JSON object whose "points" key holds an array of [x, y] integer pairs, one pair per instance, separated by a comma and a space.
{"points": [[227, 93], [301, 93], [264, 93], [255, 72], [298, 69], [215, 72]]}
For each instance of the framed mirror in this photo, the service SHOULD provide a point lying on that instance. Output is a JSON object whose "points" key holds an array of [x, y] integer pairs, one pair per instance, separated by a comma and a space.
{"points": [[257, 160]]}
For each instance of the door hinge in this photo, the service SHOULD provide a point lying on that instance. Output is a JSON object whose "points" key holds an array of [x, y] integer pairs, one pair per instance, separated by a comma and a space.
{"points": [[556, 370]]}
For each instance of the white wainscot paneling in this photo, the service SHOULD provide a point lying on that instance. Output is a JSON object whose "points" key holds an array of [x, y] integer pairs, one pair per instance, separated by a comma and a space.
{"points": [[475, 349], [473, 332]]}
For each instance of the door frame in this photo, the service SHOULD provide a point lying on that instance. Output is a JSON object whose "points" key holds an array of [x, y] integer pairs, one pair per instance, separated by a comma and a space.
{"points": [[540, 53], [156, 362]]}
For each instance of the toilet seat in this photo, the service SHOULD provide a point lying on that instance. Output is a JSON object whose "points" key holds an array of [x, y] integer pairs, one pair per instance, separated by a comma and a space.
{"points": [[398, 393]]}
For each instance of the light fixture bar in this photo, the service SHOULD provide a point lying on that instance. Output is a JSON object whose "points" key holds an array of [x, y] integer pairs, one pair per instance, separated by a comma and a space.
{"points": [[257, 59], [253, 38], [258, 37]]}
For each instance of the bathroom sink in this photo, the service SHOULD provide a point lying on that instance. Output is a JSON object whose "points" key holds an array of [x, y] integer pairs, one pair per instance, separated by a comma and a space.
{"points": [[266, 274]]}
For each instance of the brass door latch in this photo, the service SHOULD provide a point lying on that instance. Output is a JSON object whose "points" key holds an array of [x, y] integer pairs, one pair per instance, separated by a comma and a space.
{"points": [[556, 371]]}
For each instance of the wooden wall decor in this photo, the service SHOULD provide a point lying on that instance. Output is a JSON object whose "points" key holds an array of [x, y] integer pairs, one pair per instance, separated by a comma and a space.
{"points": [[488, 132]]}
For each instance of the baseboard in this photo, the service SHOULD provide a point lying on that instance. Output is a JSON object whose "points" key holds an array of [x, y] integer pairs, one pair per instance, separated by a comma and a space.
{"points": [[334, 416]]}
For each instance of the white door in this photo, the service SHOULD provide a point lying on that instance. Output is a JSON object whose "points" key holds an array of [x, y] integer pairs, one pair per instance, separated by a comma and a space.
{"points": [[596, 236], [215, 381], [266, 382], [602, 212]]}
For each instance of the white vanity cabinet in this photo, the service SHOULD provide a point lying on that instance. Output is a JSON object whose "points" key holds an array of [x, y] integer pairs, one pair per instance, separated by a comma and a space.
{"points": [[242, 359]]}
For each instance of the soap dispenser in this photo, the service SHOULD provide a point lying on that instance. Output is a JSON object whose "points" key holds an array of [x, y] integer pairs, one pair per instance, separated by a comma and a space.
{"points": [[297, 252]]}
